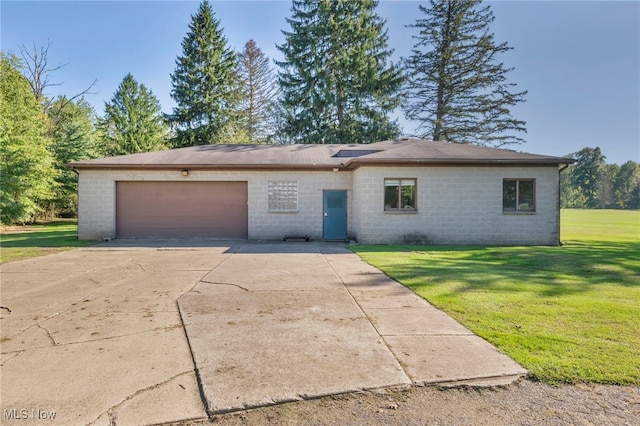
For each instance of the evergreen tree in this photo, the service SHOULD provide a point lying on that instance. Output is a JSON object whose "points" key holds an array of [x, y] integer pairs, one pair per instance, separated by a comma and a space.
{"points": [[25, 162], [258, 92], [457, 89], [132, 121], [338, 84], [73, 139], [278, 124], [204, 84]]}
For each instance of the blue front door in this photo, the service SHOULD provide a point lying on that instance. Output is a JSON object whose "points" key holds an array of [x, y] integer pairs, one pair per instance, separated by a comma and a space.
{"points": [[335, 215]]}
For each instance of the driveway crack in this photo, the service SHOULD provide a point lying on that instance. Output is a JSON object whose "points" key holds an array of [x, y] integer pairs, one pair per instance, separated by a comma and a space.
{"points": [[80, 342], [88, 274], [231, 284], [208, 271], [48, 334], [168, 327], [15, 355], [37, 323], [112, 411]]}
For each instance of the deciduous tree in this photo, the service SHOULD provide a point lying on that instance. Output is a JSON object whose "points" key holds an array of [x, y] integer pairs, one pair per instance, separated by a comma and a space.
{"points": [[457, 88], [586, 174], [626, 186], [39, 72], [26, 164]]}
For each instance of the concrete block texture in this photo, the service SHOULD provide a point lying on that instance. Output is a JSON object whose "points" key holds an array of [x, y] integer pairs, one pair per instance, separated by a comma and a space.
{"points": [[97, 198], [455, 205]]}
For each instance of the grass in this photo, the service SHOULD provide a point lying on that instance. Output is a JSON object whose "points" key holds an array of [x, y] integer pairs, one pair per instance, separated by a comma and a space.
{"points": [[568, 314], [37, 240]]}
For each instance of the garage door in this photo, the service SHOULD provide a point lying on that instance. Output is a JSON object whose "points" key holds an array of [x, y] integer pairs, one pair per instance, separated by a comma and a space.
{"points": [[181, 209]]}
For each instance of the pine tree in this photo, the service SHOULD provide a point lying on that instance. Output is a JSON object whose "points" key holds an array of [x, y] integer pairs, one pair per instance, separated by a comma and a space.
{"points": [[132, 121], [258, 93], [73, 139], [338, 84], [457, 90], [204, 84], [25, 162]]}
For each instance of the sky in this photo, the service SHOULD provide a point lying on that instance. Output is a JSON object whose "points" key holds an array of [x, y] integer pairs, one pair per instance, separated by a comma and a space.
{"points": [[579, 60]]}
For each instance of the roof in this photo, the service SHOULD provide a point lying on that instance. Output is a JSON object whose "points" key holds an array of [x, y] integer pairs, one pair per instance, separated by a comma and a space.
{"points": [[329, 156]]}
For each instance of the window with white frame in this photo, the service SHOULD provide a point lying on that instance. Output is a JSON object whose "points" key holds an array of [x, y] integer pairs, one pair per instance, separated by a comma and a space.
{"points": [[283, 196], [400, 195], [518, 195]]}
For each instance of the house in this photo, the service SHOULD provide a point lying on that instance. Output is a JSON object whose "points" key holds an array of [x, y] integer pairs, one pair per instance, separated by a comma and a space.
{"points": [[395, 191]]}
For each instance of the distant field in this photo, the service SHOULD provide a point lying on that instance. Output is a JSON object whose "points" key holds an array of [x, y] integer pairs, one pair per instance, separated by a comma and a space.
{"points": [[568, 314], [37, 240], [580, 225]]}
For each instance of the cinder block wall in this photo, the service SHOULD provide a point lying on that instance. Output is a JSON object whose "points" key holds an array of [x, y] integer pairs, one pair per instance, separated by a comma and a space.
{"points": [[97, 199], [456, 205], [308, 220]]}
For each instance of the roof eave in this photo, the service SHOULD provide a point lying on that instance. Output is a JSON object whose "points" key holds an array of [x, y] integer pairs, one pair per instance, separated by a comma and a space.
{"points": [[111, 166], [359, 162], [352, 163]]}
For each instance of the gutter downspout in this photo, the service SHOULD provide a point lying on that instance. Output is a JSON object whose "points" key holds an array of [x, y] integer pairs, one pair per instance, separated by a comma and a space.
{"points": [[77, 190], [559, 200]]}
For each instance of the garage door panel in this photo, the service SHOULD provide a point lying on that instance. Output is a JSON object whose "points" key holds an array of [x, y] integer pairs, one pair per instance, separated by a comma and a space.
{"points": [[181, 209]]}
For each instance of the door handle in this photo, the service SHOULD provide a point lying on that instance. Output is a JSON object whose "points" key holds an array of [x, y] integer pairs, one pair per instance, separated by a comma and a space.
{"points": [[326, 214]]}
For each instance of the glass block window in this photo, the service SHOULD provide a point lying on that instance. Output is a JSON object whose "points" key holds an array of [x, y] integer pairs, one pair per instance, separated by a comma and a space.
{"points": [[283, 196]]}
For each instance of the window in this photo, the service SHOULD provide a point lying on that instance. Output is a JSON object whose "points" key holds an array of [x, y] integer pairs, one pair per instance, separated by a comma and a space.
{"points": [[283, 196], [518, 195], [400, 194]]}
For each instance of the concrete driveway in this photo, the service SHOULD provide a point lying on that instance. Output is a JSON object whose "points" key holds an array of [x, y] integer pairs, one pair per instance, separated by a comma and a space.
{"points": [[95, 335]]}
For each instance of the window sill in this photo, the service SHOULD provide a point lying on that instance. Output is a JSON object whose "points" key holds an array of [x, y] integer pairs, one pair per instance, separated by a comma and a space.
{"points": [[519, 213], [401, 212]]}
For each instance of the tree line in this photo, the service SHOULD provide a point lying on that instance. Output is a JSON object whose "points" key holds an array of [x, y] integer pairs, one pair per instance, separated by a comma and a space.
{"points": [[592, 184], [336, 83]]}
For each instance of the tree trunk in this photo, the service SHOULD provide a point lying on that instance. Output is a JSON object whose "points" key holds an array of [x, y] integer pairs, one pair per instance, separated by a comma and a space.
{"points": [[446, 40]]}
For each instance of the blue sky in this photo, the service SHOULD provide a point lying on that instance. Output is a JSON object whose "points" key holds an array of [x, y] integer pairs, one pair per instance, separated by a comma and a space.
{"points": [[580, 61]]}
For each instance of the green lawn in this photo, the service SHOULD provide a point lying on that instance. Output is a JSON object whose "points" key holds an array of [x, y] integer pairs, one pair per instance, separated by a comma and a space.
{"points": [[568, 314], [38, 240]]}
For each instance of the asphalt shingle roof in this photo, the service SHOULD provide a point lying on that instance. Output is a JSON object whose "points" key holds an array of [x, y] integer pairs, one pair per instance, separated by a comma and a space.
{"points": [[397, 152]]}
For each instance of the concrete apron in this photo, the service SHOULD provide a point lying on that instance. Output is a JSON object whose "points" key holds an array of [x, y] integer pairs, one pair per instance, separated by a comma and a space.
{"points": [[281, 322], [95, 337]]}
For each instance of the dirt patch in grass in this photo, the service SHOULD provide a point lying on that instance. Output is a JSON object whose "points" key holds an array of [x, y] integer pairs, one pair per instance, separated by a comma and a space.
{"points": [[15, 229], [35, 227]]}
